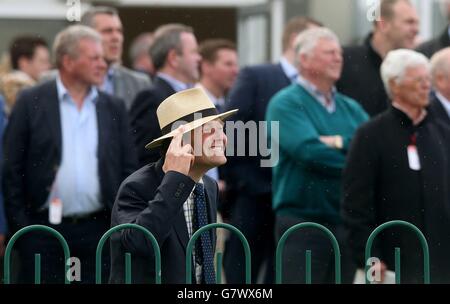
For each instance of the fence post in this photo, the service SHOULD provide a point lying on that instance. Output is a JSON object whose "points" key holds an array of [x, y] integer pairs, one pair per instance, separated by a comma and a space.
{"points": [[281, 244], [101, 243], [423, 242], [37, 274], [229, 227]]}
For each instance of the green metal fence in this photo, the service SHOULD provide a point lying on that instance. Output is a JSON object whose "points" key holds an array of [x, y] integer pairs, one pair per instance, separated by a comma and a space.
{"points": [[101, 243], [423, 242], [196, 235], [281, 244], [190, 247], [37, 257]]}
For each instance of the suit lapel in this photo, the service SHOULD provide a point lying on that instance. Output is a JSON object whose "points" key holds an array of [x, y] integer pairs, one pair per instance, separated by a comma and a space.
{"points": [[164, 85], [103, 131], [53, 116], [211, 203], [119, 83], [283, 76]]}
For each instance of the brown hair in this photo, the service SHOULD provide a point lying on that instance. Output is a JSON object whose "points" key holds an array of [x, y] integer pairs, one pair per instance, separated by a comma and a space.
{"points": [[295, 26], [208, 49]]}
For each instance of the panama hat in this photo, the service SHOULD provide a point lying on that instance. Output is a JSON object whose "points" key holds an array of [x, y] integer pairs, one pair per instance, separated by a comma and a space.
{"points": [[192, 106]]}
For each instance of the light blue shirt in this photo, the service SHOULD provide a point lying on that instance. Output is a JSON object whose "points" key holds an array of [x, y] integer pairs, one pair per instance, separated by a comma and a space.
{"points": [[445, 102], [288, 69], [319, 96], [108, 82], [77, 181], [176, 85]]}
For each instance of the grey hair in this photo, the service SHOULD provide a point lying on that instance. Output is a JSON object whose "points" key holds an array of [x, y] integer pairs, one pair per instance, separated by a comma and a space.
{"points": [[67, 41], [396, 63], [440, 63], [89, 16], [141, 44], [306, 41], [167, 37]]}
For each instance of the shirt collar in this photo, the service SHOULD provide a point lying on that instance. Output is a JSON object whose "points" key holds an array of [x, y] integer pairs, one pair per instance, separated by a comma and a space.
{"points": [[312, 88], [174, 83], [63, 93], [444, 101], [415, 122], [216, 101], [288, 69]]}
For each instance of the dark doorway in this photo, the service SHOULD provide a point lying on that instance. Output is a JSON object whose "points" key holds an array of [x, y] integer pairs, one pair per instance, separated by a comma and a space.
{"points": [[207, 22]]}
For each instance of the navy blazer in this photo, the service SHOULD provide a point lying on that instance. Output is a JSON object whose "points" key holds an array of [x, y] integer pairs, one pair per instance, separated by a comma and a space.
{"points": [[251, 94], [437, 110], [144, 122], [154, 200], [33, 151]]}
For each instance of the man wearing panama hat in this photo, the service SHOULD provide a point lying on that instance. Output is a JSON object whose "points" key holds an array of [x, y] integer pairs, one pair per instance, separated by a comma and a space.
{"points": [[173, 197]]}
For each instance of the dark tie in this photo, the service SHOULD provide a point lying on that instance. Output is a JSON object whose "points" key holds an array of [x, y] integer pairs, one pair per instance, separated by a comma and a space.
{"points": [[207, 253]]}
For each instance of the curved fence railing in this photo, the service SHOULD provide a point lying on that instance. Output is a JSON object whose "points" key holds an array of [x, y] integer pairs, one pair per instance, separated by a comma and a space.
{"points": [[37, 257], [281, 244], [423, 242], [101, 243]]}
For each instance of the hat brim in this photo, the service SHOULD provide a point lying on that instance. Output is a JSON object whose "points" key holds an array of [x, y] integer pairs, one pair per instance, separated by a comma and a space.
{"points": [[189, 127]]}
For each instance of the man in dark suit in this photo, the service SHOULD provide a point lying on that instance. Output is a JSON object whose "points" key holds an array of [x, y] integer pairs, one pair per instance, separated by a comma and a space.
{"points": [[176, 59], [173, 197], [397, 28], [252, 209], [66, 151], [440, 72], [428, 48]]}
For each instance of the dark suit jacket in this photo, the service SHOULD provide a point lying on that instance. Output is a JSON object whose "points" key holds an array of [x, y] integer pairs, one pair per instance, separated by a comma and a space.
{"points": [[155, 201], [437, 110], [144, 122], [428, 48], [251, 93], [33, 150], [379, 186], [361, 77]]}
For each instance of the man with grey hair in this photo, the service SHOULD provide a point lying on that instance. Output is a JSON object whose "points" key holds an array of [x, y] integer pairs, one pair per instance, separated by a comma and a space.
{"points": [[316, 124], [248, 201], [66, 151], [397, 27], [440, 72], [118, 81], [398, 169], [140, 54], [176, 60]]}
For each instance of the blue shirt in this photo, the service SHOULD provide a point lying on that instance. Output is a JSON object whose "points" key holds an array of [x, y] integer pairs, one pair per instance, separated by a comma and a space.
{"points": [[444, 101], [176, 85], [108, 82], [319, 96], [77, 181], [288, 69]]}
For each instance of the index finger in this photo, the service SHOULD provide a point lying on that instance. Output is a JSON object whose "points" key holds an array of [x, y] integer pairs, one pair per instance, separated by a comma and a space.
{"points": [[177, 138]]}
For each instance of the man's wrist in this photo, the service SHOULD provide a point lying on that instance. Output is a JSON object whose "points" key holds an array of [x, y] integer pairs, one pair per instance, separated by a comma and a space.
{"points": [[338, 142]]}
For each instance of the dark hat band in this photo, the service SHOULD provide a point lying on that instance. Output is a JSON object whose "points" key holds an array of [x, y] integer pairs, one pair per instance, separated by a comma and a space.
{"points": [[190, 118]]}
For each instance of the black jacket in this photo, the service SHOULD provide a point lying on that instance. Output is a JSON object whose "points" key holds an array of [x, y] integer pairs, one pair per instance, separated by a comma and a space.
{"points": [[430, 47], [251, 94], [379, 186], [361, 78], [33, 149], [155, 201], [144, 122], [438, 111]]}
